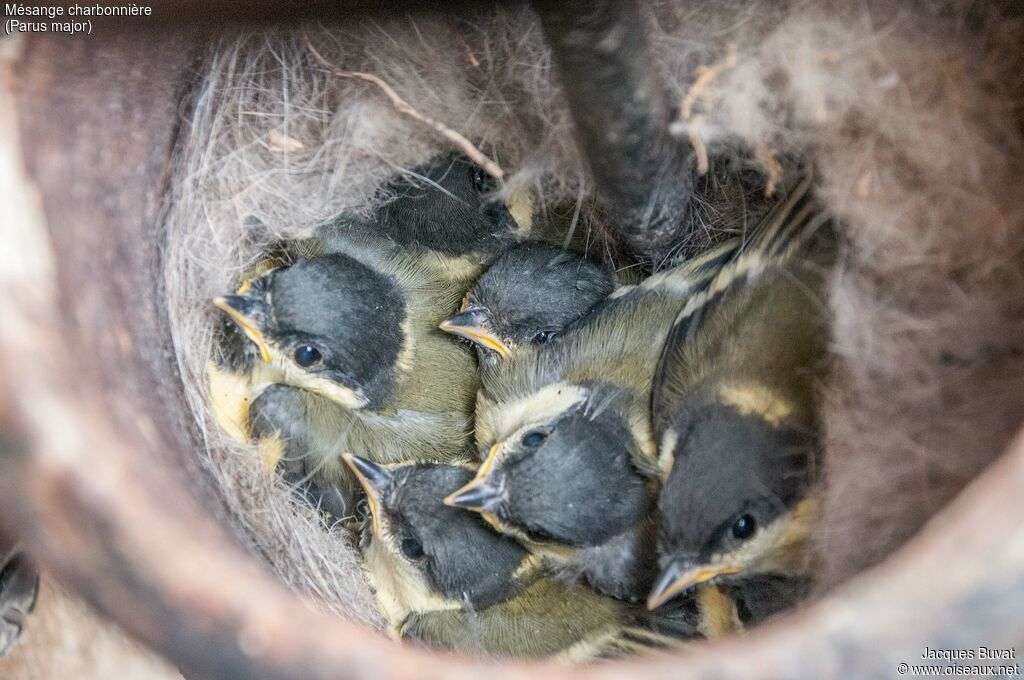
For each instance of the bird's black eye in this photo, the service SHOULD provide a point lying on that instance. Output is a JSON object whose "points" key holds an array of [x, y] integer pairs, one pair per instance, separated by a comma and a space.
{"points": [[744, 527], [534, 438], [543, 336], [482, 181], [412, 549], [307, 356]]}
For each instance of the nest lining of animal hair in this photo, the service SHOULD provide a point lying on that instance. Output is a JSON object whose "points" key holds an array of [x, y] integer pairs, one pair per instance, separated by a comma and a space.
{"points": [[907, 115]]}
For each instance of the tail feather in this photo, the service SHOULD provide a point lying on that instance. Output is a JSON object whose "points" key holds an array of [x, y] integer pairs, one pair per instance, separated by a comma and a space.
{"points": [[630, 641], [707, 264], [783, 232], [692, 276]]}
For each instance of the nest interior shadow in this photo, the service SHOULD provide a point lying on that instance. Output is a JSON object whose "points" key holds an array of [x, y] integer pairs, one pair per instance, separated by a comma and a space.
{"points": [[911, 118]]}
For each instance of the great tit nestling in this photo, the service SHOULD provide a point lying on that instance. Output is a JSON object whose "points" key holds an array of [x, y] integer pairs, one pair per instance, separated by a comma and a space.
{"points": [[530, 294], [735, 412], [450, 206], [444, 578]]}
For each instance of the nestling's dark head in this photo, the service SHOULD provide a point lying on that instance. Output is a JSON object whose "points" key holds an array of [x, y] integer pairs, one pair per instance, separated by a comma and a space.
{"points": [[531, 293], [330, 325], [449, 205], [569, 481], [735, 501], [418, 547]]}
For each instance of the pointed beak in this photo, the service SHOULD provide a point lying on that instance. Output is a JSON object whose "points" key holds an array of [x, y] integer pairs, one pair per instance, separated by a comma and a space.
{"points": [[373, 478], [249, 314], [474, 325], [478, 495], [679, 577]]}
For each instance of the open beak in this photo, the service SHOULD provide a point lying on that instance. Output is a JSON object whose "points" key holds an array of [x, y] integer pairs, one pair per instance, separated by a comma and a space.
{"points": [[679, 577], [475, 326], [373, 478], [246, 312]]}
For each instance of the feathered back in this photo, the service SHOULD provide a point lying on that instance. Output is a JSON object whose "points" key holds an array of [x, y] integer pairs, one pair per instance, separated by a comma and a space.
{"points": [[783, 233]]}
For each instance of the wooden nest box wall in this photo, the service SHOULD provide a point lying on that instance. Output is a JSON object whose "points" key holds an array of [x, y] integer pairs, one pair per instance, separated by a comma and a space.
{"points": [[98, 476]]}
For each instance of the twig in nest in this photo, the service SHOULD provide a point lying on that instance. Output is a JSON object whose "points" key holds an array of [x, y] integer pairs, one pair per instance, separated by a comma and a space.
{"points": [[705, 76], [693, 132], [771, 165], [466, 146], [699, 133]]}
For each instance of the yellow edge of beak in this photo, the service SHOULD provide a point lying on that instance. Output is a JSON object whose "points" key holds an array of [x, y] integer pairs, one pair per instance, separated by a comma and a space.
{"points": [[371, 496], [481, 475], [689, 579], [449, 500], [251, 331], [485, 469], [490, 518], [478, 336]]}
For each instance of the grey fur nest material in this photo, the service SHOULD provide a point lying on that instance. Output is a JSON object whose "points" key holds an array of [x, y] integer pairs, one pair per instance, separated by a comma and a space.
{"points": [[912, 118]]}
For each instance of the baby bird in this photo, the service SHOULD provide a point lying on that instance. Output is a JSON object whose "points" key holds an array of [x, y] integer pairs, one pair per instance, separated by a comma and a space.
{"points": [[571, 466], [448, 207], [293, 429], [530, 294], [234, 366], [351, 318], [735, 414], [443, 578]]}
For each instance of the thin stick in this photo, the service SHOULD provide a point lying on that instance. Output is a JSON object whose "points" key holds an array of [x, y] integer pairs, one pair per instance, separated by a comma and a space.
{"points": [[705, 76], [693, 131], [466, 146], [771, 165]]}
